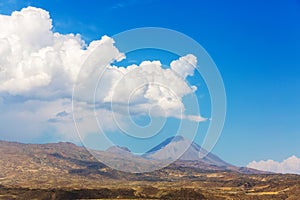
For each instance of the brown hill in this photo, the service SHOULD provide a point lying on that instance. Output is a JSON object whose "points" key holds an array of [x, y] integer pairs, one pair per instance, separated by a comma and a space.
{"points": [[67, 171]]}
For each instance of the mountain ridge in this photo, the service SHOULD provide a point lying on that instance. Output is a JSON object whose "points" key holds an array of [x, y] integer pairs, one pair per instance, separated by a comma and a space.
{"points": [[68, 149]]}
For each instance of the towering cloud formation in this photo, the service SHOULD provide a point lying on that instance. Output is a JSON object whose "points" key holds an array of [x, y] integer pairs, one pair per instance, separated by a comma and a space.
{"points": [[41, 66], [32, 56]]}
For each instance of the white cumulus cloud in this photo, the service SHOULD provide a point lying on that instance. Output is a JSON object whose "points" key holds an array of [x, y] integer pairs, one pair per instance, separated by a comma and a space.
{"points": [[290, 165], [33, 56], [38, 68], [149, 84], [185, 66]]}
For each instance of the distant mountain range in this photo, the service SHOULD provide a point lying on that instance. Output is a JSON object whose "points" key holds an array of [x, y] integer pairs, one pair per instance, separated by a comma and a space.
{"points": [[66, 171], [58, 155], [175, 150]]}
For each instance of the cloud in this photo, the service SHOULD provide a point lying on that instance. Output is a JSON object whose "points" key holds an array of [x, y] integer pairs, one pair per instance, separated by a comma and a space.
{"points": [[184, 66], [149, 85], [290, 165], [62, 114], [30, 119], [32, 56], [38, 68]]}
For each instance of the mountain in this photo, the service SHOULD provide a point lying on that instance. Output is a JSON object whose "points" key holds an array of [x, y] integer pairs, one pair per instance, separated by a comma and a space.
{"points": [[174, 147], [66, 171], [117, 149], [177, 150]]}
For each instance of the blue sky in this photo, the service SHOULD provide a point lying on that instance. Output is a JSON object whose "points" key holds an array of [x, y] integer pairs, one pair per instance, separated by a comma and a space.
{"points": [[255, 44]]}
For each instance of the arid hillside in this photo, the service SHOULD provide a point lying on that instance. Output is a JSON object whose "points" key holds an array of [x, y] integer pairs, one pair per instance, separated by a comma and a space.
{"points": [[67, 171]]}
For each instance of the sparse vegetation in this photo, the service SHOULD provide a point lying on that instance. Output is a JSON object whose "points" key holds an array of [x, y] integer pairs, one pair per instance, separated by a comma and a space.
{"points": [[66, 171]]}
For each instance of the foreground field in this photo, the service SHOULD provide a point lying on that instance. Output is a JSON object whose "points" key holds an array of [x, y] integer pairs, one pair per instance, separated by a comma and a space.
{"points": [[231, 187]]}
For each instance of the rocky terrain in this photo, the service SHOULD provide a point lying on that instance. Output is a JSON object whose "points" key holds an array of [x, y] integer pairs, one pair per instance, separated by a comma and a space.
{"points": [[67, 171]]}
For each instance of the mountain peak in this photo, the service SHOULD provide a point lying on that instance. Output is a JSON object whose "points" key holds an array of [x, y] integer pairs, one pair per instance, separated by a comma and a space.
{"points": [[178, 147], [116, 149], [177, 138]]}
